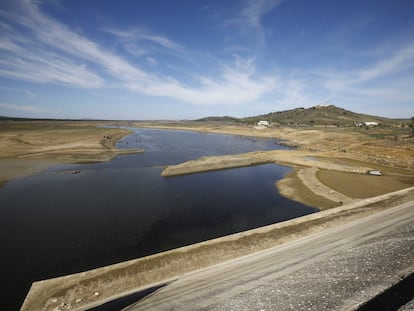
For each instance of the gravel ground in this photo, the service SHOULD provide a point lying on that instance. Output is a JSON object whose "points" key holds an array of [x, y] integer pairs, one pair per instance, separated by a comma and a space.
{"points": [[345, 279], [114, 281]]}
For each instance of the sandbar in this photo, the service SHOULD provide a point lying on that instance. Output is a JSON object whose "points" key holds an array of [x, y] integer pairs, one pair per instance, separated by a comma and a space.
{"points": [[327, 162]]}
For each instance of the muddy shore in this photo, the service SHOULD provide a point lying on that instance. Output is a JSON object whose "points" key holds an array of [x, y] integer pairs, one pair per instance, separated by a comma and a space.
{"points": [[29, 147], [325, 170], [331, 166]]}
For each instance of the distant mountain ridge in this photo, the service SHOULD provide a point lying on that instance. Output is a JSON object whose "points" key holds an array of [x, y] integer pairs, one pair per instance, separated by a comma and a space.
{"points": [[219, 119], [317, 115], [320, 115]]}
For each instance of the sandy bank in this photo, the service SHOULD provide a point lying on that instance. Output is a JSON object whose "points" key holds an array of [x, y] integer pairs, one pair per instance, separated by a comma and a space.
{"points": [[27, 147], [16, 168], [385, 146], [306, 169], [335, 178], [317, 181], [82, 290], [283, 157]]}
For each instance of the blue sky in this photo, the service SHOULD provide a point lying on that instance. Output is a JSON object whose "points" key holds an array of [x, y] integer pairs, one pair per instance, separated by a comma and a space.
{"points": [[187, 59]]}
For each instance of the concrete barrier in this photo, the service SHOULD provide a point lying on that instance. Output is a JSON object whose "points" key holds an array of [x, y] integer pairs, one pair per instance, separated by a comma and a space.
{"points": [[94, 287]]}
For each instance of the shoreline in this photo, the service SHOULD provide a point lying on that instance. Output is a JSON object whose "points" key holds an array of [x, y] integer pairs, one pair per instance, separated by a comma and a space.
{"points": [[346, 143], [29, 147], [303, 184], [12, 168], [78, 291], [327, 151]]}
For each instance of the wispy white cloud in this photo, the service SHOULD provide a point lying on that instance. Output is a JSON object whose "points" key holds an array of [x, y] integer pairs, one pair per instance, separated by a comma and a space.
{"points": [[251, 15], [34, 60], [49, 52], [22, 108], [388, 79], [48, 68], [48, 37], [138, 34], [29, 94], [37, 48], [400, 61], [150, 60], [255, 10], [294, 94], [236, 84], [143, 44]]}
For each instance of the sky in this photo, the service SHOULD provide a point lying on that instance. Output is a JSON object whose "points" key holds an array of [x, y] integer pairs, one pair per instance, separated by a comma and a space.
{"points": [[187, 59]]}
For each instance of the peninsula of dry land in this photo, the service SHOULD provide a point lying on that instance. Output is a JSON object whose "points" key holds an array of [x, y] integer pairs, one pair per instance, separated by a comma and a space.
{"points": [[27, 147], [331, 164]]}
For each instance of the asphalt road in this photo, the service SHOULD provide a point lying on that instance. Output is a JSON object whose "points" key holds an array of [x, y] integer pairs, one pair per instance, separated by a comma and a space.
{"points": [[337, 269]]}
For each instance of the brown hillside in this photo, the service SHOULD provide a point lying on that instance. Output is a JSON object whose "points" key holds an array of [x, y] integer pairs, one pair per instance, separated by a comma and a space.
{"points": [[322, 115]]}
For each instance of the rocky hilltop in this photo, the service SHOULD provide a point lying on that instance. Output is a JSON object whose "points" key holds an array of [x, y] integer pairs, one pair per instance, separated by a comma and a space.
{"points": [[320, 115]]}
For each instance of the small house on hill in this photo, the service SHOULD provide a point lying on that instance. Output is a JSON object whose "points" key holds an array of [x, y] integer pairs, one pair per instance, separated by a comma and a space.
{"points": [[263, 124], [367, 123]]}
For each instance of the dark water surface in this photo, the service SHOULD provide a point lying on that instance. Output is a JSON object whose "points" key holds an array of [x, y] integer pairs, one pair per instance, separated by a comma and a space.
{"points": [[58, 223]]}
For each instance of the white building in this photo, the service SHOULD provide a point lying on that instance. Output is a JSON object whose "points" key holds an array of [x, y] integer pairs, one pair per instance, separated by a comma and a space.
{"points": [[263, 123], [371, 123], [367, 123]]}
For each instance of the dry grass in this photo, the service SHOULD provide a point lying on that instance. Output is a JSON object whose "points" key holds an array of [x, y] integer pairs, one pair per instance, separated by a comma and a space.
{"points": [[334, 150], [49, 140], [364, 186], [390, 146], [28, 146], [390, 150]]}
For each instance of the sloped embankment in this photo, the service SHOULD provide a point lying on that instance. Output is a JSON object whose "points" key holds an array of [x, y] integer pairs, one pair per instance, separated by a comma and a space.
{"points": [[87, 289]]}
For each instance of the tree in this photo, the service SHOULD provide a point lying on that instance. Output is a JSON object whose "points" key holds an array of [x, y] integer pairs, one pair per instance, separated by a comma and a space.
{"points": [[411, 125]]}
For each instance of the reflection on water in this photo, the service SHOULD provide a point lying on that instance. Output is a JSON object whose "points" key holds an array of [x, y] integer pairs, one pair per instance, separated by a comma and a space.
{"points": [[56, 223]]}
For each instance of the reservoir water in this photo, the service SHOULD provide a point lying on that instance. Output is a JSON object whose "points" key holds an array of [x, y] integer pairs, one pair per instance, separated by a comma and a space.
{"points": [[57, 223]]}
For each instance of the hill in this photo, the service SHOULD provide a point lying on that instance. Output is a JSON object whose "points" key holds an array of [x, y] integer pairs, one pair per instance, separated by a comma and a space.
{"points": [[219, 119], [324, 115]]}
